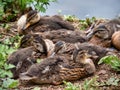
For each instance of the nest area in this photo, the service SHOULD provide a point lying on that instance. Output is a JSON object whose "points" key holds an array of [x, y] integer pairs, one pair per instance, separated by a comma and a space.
{"points": [[104, 72]]}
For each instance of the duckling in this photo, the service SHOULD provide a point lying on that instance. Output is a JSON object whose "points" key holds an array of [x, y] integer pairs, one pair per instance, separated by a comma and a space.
{"points": [[64, 48], [84, 58], [67, 36], [33, 22], [55, 70], [22, 59], [101, 35], [96, 52], [25, 57], [116, 40], [45, 46], [64, 35]]}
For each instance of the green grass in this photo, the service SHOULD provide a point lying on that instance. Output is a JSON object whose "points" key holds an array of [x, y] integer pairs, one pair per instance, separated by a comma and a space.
{"points": [[111, 60]]}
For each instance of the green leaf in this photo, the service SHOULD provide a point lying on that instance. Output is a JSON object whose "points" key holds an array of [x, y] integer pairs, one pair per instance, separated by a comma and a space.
{"points": [[10, 83], [7, 41], [111, 60], [9, 66], [6, 73]]}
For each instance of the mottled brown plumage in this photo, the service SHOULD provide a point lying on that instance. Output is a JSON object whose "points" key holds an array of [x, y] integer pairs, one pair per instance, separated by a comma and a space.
{"points": [[55, 70], [96, 52]]}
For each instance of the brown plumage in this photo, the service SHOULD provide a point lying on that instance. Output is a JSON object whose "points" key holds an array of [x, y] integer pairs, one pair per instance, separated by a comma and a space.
{"points": [[45, 46], [63, 35], [116, 40], [22, 59], [101, 42], [96, 52], [55, 70]]}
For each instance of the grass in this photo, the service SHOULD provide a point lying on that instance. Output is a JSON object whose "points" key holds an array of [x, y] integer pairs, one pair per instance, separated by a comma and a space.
{"points": [[111, 60]]}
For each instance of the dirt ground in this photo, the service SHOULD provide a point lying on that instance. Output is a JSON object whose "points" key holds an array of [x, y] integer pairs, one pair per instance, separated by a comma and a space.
{"points": [[103, 73]]}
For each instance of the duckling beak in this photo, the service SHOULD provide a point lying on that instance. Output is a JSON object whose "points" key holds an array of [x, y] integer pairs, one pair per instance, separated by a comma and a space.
{"points": [[26, 26], [89, 35]]}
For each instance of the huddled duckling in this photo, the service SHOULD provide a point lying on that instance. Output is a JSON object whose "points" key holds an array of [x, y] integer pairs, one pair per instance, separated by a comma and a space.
{"points": [[101, 34], [96, 52], [65, 49], [67, 36], [33, 22], [84, 58], [56, 69], [23, 58], [116, 40], [44, 45]]}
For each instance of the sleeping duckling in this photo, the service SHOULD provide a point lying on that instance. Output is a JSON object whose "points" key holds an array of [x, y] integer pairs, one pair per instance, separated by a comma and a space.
{"points": [[55, 36], [33, 22], [22, 59], [116, 40], [55, 70], [84, 58], [66, 49], [65, 35], [45, 46], [101, 35], [25, 57], [96, 52]]}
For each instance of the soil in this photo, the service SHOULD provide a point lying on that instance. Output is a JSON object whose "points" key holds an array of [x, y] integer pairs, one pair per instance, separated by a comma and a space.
{"points": [[103, 72]]}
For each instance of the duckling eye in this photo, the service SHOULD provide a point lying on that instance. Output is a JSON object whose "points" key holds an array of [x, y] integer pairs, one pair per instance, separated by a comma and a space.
{"points": [[102, 34]]}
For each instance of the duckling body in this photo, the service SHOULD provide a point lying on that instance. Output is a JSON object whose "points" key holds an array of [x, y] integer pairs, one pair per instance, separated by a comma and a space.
{"points": [[63, 35], [55, 70], [101, 42], [116, 40]]}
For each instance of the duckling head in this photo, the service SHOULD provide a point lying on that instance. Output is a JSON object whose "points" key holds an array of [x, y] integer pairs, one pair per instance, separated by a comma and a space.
{"points": [[26, 20], [84, 58], [100, 32]]}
